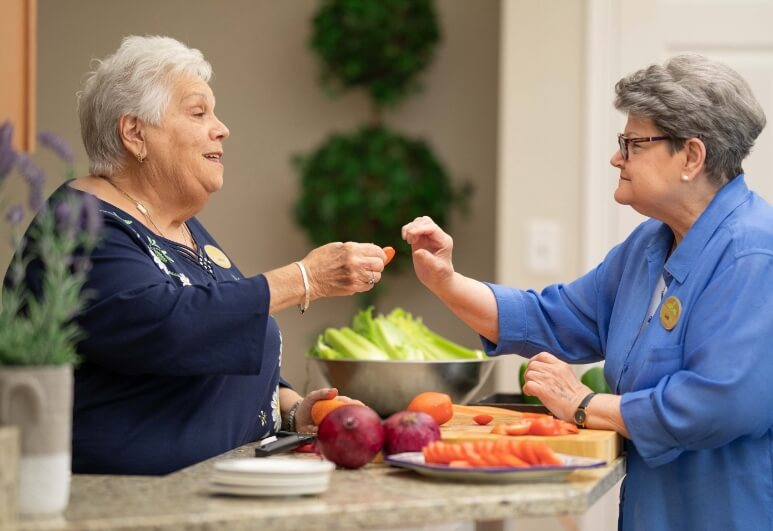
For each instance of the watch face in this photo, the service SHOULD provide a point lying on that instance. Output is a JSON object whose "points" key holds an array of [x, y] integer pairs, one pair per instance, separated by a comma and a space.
{"points": [[579, 417]]}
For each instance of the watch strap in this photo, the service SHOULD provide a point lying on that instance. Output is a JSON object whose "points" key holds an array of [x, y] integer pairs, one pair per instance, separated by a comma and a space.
{"points": [[580, 412]]}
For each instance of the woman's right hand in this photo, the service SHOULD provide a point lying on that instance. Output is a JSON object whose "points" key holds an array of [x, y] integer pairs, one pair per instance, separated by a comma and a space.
{"points": [[338, 269], [431, 249]]}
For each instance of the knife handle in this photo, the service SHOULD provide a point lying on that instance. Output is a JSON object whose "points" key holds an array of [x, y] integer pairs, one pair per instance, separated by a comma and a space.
{"points": [[285, 443]]}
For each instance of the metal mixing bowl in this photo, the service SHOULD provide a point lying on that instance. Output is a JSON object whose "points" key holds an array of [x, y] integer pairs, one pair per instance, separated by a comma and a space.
{"points": [[388, 386]]}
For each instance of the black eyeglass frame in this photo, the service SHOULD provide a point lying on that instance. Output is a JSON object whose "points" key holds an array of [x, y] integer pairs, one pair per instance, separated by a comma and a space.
{"points": [[623, 141]]}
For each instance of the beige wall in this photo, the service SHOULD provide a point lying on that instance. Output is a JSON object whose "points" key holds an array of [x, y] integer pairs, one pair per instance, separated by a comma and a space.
{"points": [[267, 91], [540, 135]]}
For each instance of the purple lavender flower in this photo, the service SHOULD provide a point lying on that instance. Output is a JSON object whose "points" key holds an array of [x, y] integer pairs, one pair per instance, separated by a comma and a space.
{"points": [[91, 219], [64, 218], [35, 179], [7, 153], [14, 215], [56, 144]]}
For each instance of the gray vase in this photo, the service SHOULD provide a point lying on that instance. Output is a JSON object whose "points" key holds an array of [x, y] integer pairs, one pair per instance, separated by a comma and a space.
{"points": [[39, 401]]}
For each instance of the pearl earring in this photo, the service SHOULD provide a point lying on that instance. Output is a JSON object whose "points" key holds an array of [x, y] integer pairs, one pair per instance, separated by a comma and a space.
{"points": [[685, 178]]}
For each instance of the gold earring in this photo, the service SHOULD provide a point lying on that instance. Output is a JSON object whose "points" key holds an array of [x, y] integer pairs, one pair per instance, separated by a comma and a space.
{"points": [[140, 158]]}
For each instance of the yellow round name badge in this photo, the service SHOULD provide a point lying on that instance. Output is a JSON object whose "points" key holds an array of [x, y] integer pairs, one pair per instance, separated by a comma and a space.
{"points": [[670, 311], [217, 256]]}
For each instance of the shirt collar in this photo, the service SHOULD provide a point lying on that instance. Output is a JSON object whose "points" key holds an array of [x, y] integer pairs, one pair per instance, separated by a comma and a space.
{"points": [[728, 198]]}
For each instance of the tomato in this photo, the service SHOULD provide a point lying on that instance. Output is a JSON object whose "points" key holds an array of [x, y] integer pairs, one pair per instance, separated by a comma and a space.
{"points": [[544, 426], [519, 428], [482, 419], [499, 429], [567, 428]]}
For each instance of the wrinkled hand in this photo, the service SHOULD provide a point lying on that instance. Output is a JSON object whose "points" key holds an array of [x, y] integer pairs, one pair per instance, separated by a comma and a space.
{"points": [[338, 269], [431, 249], [303, 422], [555, 384]]}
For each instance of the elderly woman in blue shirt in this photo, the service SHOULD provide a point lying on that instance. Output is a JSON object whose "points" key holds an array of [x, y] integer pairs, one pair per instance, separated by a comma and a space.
{"points": [[681, 312], [181, 357]]}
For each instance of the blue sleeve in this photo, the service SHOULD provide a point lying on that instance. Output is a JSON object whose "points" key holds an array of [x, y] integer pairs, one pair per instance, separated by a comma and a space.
{"points": [[563, 319], [723, 390], [140, 322]]}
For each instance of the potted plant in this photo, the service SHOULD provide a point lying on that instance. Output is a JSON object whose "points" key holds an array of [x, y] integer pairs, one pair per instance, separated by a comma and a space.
{"points": [[38, 337], [365, 185]]}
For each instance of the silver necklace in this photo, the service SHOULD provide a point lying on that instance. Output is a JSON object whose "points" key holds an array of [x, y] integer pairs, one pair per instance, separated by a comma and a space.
{"points": [[185, 232]]}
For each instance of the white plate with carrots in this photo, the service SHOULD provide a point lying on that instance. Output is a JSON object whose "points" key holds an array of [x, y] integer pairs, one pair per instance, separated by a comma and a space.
{"points": [[492, 462]]}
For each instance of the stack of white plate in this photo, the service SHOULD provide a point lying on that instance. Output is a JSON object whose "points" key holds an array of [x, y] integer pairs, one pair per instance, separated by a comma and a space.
{"points": [[271, 477]]}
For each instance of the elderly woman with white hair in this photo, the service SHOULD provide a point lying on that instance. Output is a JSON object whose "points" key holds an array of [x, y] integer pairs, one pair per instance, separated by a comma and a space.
{"points": [[681, 311], [181, 359]]}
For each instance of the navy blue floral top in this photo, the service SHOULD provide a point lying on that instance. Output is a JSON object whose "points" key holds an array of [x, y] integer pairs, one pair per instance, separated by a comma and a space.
{"points": [[181, 360]]}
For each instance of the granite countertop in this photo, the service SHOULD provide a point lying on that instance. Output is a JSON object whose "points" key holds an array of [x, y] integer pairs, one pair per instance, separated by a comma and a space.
{"points": [[374, 496]]}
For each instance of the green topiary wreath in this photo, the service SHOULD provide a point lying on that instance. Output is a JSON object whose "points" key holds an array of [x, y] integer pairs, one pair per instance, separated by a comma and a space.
{"points": [[378, 45], [365, 186]]}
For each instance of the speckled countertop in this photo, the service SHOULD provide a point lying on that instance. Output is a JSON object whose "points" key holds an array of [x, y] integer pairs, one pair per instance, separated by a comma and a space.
{"points": [[375, 496]]}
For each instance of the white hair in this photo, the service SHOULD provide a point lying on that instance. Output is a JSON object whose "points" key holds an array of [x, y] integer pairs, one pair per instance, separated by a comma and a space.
{"points": [[136, 80]]}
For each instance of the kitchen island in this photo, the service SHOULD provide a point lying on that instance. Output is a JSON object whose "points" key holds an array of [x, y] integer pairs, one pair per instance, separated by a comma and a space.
{"points": [[377, 496]]}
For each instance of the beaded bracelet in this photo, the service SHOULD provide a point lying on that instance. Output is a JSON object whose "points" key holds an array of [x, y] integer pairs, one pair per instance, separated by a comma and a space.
{"points": [[305, 306], [291, 415]]}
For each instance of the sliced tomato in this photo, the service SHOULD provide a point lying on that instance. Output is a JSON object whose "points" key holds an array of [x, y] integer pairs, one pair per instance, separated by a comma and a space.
{"points": [[460, 463], [308, 448], [544, 426], [567, 428], [519, 428], [531, 415], [482, 419], [499, 429]]}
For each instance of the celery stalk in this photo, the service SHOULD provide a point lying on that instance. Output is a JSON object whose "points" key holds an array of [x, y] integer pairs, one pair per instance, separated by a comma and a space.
{"points": [[349, 344]]}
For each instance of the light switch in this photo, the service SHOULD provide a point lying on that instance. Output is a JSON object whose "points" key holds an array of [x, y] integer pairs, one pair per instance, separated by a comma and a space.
{"points": [[544, 246]]}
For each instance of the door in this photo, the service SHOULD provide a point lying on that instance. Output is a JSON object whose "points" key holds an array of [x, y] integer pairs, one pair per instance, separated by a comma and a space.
{"points": [[736, 32]]}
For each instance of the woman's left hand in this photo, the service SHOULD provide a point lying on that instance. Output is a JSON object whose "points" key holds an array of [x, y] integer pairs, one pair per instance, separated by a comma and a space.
{"points": [[555, 384], [303, 422]]}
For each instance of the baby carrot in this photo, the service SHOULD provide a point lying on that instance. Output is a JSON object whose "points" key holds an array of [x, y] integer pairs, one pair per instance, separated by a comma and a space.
{"points": [[390, 253]]}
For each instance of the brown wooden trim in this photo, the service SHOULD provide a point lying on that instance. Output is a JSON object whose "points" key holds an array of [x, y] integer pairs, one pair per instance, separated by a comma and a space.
{"points": [[30, 107]]}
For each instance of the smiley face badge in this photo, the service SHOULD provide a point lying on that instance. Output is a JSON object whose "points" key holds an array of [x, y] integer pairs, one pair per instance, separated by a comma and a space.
{"points": [[670, 311]]}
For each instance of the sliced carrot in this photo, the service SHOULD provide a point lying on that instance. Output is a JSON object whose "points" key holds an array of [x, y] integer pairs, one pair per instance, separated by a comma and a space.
{"points": [[492, 459], [430, 452], [511, 460], [475, 460], [525, 452], [484, 446], [390, 253], [482, 419]]}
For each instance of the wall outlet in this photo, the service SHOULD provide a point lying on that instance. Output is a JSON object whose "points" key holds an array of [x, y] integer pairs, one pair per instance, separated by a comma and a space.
{"points": [[544, 246]]}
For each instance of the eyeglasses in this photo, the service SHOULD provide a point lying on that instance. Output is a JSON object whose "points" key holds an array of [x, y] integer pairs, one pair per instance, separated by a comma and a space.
{"points": [[623, 142]]}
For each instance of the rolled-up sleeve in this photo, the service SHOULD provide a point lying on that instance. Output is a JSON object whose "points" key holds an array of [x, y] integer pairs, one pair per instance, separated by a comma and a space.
{"points": [[562, 319]]}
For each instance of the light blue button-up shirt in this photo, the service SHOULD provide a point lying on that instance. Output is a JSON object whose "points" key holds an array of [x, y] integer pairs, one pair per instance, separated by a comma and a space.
{"points": [[698, 399]]}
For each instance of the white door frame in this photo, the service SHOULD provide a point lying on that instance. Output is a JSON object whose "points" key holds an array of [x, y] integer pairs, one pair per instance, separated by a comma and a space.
{"points": [[602, 64]]}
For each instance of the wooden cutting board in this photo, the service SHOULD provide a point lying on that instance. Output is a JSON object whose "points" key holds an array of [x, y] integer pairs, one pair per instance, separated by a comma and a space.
{"points": [[600, 444]]}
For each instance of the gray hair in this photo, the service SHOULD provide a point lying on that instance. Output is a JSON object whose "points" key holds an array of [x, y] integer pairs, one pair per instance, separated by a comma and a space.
{"points": [[691, 96], [136, 80]]}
